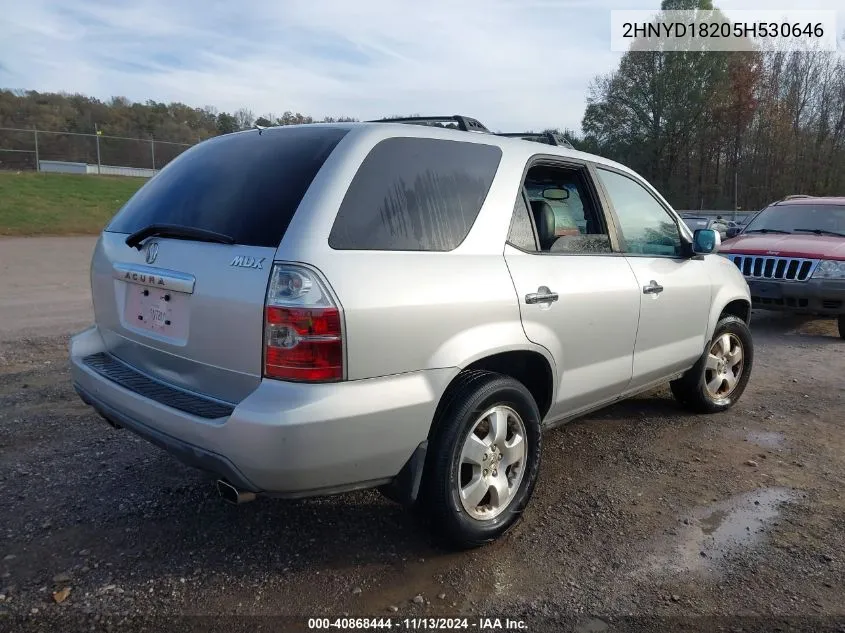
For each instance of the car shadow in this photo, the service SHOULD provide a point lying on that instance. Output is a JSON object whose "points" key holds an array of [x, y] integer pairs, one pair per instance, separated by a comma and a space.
{"points": [[656, 405], [807, 327], [303, 534], [135, 511]]}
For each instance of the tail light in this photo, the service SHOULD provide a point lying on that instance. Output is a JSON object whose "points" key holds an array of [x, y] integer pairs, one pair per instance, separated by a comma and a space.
{"points": [[302, 334]]}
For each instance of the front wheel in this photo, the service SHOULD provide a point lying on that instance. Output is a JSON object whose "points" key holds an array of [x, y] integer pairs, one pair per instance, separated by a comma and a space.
{"points": [[484, 460], [716, 382]]}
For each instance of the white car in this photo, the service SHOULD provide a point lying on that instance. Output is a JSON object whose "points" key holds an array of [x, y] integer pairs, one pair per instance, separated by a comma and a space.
{"points": [[312, 309]]}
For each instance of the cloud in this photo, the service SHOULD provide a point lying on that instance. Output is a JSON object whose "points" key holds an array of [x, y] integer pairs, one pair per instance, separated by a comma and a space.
{"points": [[513, 64]]}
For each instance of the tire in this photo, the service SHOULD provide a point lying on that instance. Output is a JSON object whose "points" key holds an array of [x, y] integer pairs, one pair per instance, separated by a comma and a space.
{"points": [[841, 322], [700, 389], [478, 405]]}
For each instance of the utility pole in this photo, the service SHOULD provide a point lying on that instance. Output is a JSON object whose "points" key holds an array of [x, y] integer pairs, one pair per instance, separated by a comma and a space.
{"points": [[98, 133], [153, 151], [37, 161]]}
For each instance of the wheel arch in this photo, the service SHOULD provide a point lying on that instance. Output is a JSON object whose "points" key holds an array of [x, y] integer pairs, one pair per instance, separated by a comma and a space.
{"points": [[739, 308], [727, 303], [530, 367]]}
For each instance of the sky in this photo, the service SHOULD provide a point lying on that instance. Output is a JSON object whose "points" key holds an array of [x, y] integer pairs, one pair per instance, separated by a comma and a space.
{"points": [[513, 64]]}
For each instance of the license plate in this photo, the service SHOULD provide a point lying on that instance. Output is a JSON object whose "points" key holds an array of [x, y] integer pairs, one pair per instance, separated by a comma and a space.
{"points": [[161, 311], [766, 290]]}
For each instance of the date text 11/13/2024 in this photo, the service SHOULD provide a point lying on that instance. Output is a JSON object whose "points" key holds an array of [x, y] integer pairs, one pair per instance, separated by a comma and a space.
{"points": [[482, 625]]}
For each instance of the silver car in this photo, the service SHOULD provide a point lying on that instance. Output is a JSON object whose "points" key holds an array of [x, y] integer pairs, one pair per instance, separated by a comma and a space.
{"points": [[315, 309]]}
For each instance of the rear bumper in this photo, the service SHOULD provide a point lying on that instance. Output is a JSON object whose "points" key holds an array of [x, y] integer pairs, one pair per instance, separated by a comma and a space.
{"points": [[186, 453], [815, 296], [284, 438]]}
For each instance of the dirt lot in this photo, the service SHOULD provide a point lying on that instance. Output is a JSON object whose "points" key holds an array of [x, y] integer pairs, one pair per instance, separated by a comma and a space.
{"points": [[44, 285], [645, 518]]}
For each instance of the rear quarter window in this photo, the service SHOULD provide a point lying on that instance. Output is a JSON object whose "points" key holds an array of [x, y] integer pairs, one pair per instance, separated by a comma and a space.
{"points": [[415, 194], [246, 185]]}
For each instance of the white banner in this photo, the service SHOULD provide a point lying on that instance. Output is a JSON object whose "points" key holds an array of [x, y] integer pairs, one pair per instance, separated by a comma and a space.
{"points": [[724, 30]]}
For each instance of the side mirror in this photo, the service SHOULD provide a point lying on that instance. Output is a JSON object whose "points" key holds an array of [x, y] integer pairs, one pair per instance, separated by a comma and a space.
{"points": [[733, 231], [705, 241]]}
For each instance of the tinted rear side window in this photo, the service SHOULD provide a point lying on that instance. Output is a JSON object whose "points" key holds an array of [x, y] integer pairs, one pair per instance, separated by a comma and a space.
{"points": [[415, 194], [244, 185]]}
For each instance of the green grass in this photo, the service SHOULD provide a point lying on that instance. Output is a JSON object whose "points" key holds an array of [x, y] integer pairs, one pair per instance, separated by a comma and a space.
{"points": [[61, 204]]}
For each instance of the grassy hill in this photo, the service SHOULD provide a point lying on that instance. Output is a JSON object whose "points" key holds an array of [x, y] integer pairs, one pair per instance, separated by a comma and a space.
{"points": [[60, 204]]}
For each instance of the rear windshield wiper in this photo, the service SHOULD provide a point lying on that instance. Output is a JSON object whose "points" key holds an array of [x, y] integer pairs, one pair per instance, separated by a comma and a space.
{"points": [[177, 231], [767, 231], [819, 232]]}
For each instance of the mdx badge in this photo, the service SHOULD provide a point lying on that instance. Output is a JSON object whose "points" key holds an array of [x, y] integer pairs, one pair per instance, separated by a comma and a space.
{"points": [[244, 261]]}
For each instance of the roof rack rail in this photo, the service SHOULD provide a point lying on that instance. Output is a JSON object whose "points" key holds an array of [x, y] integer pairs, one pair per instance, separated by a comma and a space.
{"points": [[465, 123], [796, 196], [549, 138]]}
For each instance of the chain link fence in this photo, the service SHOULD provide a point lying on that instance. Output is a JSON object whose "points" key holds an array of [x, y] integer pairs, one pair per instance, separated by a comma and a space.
{"points": [[32, 149]]}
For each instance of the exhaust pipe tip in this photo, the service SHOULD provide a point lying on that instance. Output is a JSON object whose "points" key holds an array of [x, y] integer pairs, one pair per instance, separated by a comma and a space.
{"points": [[232, 495]]}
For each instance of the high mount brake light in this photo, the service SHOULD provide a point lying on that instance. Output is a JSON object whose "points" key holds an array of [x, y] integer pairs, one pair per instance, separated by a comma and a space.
{"points": [[303, 340]]}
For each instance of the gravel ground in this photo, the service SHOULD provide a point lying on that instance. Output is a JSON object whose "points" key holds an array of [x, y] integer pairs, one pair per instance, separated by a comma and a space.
{"points": [[645, 518]]}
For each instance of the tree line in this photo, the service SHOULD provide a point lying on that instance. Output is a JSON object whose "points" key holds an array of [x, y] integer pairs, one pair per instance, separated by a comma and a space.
{"points": [[174, 126], [714, 129]]}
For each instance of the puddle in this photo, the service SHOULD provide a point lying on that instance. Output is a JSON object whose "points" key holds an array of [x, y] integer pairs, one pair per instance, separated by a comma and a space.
{"points": [[717, 530], [591, 625], [737, 522], [766, 439]]}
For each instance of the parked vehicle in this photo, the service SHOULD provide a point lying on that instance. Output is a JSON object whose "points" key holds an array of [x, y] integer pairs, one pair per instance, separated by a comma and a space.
{"points": [[313, 309], [793, 255], [721, 225], [695, 222], [725, 228]]}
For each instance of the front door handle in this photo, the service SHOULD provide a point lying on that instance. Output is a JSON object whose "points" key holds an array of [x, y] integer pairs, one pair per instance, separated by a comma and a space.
{"points": [[652, 288], [543, 295]]}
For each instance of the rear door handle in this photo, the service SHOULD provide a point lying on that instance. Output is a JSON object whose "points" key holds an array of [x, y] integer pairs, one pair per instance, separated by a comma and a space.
{"points": [[652, 288], [543, 295]]}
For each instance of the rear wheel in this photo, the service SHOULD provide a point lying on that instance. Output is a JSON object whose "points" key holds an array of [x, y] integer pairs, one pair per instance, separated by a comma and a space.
{"points": [[720, 376], [842, 326], [484, 459]]}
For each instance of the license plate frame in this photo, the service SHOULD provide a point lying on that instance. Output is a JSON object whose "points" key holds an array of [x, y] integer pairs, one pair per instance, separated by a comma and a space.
{"points": [[156, 311]]}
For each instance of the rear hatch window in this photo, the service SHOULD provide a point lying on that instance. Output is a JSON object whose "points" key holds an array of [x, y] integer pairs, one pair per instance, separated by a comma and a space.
{"points": [[246, 185], [190, 313]]}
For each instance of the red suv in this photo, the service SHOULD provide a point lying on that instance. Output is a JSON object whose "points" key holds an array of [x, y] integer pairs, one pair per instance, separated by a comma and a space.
{"points": [[792, 254]]}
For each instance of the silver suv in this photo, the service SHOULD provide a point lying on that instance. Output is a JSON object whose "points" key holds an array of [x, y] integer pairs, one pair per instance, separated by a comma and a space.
{"points": [[315, 309]]}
